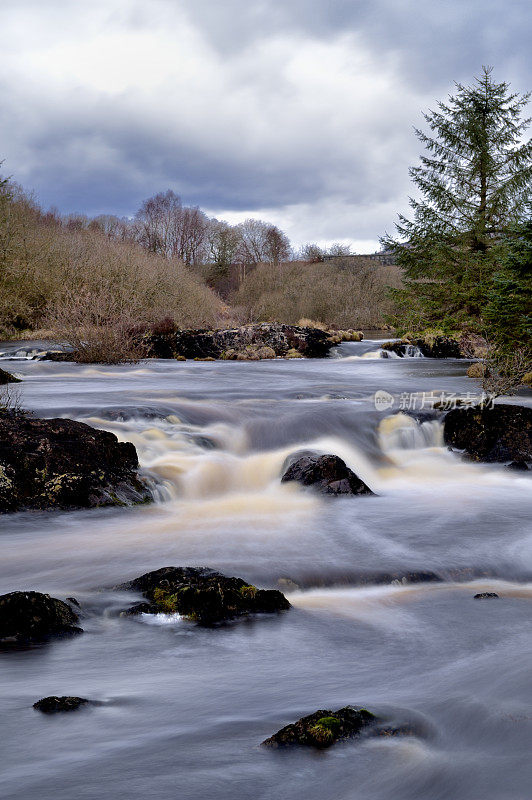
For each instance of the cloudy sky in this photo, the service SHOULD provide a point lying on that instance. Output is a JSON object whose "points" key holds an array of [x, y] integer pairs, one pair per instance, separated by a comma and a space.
{"points": [[295, 111]]}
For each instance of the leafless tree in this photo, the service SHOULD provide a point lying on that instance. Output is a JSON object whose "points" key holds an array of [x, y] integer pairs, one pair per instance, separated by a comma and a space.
{"points": [[167, 227], [312, 253], [262, 243], [224, 242], [339, 250]]}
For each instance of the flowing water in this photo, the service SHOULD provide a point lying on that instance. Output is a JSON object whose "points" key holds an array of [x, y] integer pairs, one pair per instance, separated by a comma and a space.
{"points": [[183, 709]]}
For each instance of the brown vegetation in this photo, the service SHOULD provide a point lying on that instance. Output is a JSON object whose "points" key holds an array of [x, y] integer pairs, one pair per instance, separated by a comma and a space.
{"points": [[324, 292], [96, 283], [89, 288]]}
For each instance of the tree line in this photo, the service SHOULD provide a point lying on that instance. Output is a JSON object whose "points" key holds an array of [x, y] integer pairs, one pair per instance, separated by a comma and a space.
{"points": [[166, 226]]}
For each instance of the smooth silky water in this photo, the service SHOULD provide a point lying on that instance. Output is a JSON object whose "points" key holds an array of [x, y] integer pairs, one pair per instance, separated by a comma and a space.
{"points": [[184, 709]]}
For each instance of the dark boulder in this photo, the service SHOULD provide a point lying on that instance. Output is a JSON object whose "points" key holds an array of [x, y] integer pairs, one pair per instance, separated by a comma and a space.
{"points": [[328, 474], [202, 595], [486, 596], [32, 616], [501, 433], [325, 728], [7, 377], [60, 463], [51, 705], [270, 339]]}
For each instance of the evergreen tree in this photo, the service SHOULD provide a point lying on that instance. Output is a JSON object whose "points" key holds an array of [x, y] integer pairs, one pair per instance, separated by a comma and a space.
{"points": [[474, 181], [508, 313]]}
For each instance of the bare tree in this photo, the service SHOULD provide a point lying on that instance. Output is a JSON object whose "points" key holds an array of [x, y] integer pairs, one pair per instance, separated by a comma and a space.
{"points": [[167, 227], [276, 246], [156, 223], [262, 242], [338, 250], [311, 252], [224, 242]]}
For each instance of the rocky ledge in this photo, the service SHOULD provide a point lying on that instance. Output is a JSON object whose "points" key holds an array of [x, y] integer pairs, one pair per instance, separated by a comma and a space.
{"points": [[327, 474], [499, 434], [324, 728], [201, 595], [465, 345], [248, 342], [60, 464], [33, 616]]}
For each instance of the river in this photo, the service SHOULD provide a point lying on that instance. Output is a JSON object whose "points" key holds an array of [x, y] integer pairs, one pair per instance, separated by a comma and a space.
{"points": [[182, 709]]}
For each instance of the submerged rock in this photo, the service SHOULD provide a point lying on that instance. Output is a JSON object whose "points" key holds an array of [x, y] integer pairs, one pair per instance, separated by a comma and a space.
{"points": [[324, 728], [328, 474], [248, 342], [53, 704], [60, 463], [33, 616], [7, 377], [202, 595], [502, 433], [486, 596]]}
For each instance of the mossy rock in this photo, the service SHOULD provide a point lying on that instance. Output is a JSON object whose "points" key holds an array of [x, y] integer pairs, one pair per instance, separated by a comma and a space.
{"points": [[202, 595], [527, 379], [293, 353], [324, 728], [61, 463]]}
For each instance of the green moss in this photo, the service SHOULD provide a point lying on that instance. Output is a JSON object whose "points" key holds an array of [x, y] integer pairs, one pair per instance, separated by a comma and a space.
{"points": [[53, 487], [326, 730], [248, 592], [165, 600]]}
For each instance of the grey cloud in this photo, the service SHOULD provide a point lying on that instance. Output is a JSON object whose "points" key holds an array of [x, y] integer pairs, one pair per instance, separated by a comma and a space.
{"points": [[343, 170], [431, 41]]}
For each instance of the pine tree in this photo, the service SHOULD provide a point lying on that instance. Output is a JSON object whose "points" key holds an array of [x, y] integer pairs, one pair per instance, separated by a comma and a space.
{"points": [[508, 313], [474, 182]]}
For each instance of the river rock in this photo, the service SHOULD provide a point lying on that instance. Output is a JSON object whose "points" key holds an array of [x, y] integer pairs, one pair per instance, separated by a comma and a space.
{"points": [[265, 340], [429, 346], [202, 595], [7, 377], [29, 616], [328, 474], [323, 728], [60, 463], [502, 433], [486, 596], [53, 704]]}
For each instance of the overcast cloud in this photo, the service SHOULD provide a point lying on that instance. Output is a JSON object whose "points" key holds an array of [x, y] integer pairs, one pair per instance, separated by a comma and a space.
{"points": [[295, 111]]}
